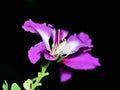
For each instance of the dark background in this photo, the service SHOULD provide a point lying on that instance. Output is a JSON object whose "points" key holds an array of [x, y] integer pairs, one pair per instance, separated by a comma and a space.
{"points": [[72, 16]]}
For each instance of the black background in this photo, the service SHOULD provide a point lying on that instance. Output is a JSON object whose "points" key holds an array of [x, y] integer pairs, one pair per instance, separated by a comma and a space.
{"points": [[90, 17]]}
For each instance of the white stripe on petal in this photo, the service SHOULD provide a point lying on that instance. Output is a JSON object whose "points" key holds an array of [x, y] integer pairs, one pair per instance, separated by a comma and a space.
{"points": [[72, 45], [45, 38]]}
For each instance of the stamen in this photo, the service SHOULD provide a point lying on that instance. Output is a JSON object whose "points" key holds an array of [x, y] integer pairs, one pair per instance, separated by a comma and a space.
{"points": [[58, 37], [60, 46]]}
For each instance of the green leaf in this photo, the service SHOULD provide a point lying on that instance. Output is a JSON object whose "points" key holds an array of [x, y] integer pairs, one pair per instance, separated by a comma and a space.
{"points": [[5, 85], [15, 87]]}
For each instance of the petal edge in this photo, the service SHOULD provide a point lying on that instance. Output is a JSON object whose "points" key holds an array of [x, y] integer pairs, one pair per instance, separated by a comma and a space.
{"points": [[84, 61]]}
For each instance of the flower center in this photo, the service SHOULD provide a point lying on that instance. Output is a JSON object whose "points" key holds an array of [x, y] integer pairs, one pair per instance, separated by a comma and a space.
{"points": [[56, 52], [52, 52]]}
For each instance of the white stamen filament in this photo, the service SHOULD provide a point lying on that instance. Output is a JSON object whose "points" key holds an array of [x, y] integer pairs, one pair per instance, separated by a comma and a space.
{"points": [[59, 48]]}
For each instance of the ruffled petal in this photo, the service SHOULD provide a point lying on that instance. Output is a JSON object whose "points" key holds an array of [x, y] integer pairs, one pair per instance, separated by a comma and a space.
{"points": [[84, 61], [34, 54], [65, 75], [29, 26], [85, 38], [42, 29]]}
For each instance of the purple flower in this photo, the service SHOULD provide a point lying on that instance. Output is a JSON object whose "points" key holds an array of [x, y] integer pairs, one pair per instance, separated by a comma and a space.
{"points": [[72, 52]]}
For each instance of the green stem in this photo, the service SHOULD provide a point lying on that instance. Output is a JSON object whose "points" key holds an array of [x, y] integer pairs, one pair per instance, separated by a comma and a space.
{"points": [[41, 74]]}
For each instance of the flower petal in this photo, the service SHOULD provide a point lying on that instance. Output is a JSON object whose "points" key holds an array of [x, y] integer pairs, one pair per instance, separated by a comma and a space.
{"points": [[65, 75], [72, 45], [42, 29], [48, 56], [84, 61], [34, 53], [29, 26], [85, 38], [63, 34], [55, 38]]}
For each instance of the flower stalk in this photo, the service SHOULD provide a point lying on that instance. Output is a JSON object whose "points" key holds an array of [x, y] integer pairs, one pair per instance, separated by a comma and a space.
{"points": [[35, 82]]}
